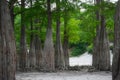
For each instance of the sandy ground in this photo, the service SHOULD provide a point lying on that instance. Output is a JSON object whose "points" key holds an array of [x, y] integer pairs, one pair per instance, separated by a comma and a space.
{"points": [[70, 75], [85, 59]]}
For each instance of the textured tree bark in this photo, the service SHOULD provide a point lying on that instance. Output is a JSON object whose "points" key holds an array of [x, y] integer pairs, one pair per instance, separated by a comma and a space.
{"points": [[12, 16], [49, 63], [23, 48], [11, 6], [95, 54], [7, 44], [39, 53], [116, 55], [101, 55], [32, 55], [32, 58], [66, 40], [36, 53], [59, 55], [38, 47]]}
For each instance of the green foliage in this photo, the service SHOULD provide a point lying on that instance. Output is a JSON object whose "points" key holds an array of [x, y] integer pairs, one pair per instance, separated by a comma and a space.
{"points": [[87, 26], [73, 30], [90, 49], [17, 30], [89, 23], [78, 49]]}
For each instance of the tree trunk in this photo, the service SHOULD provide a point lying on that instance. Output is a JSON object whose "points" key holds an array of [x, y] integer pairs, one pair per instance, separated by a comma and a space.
{"points": [[7, 44], [23, 48], [116, 55], [49, 64], [11, 6], [59, 55], [12, 16], [39, 53], [96, 41], [38, 48], [66, 40], [32, 58], [101, 55]]}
